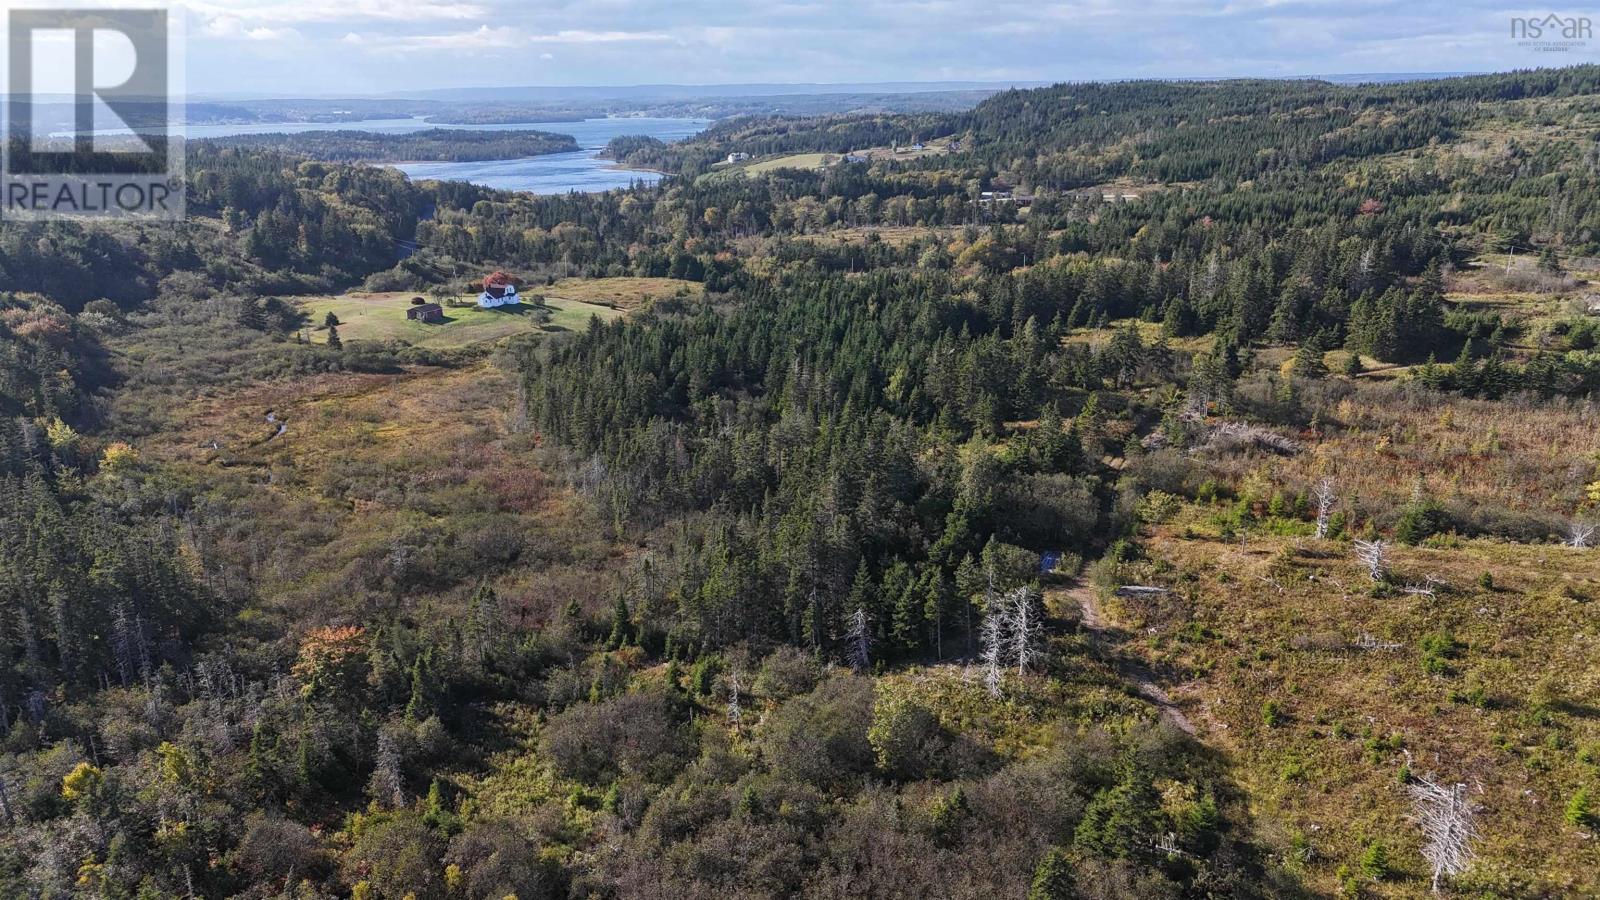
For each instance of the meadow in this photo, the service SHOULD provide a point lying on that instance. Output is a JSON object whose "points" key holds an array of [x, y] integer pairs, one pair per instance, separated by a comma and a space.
{"points": [[1329, 696], [382, 317]]}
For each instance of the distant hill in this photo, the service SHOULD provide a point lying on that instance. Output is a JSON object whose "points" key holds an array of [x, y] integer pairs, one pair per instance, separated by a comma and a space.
{"points": [[546, 94], [433, 145]]}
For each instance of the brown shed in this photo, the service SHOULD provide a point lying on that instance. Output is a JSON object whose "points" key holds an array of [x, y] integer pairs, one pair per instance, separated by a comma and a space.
{"points": [[427, 312]]}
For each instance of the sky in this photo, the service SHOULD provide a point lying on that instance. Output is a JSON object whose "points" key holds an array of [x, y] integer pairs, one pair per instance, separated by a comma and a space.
{"points": [[332, 47]]}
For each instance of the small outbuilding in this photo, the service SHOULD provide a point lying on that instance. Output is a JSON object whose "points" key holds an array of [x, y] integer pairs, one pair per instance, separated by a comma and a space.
{"points": [[431, 313]]}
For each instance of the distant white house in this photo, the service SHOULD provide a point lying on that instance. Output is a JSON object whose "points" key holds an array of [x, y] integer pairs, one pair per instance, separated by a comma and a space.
{"points": [[856, 157], [738, 156], [498, 290]]}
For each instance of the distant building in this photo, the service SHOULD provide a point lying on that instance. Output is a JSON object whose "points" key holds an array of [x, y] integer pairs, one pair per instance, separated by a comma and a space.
{"points": [[999, 198], [498, 290], [856, 158], [431, 313], [738, 156]]}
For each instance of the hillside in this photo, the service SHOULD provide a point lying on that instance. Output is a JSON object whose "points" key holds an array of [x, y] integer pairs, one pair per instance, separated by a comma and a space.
{"points": [[944, 523], [1333, 700], [430, 145]]}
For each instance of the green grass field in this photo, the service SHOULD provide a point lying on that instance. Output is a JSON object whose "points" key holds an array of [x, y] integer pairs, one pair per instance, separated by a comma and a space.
{"points": [[796, 161], [382, 317]]}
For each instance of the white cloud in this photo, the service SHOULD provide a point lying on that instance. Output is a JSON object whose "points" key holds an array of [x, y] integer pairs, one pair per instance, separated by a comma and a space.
{"points": [[306, 11], [229, 28], [486, 37], [578, 36], [481, 38]]}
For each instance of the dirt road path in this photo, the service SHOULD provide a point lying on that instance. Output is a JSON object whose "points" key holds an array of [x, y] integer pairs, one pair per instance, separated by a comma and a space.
{"points": [[1102, 643]]}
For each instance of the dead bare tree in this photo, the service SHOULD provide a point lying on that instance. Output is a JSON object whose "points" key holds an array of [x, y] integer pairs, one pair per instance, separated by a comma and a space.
{"points": [[5, 800], [858, 641], [1374, 555], [1325, 501], [1141, 590], [1023, 625], [735, 711], [1367, 642], [1428, 588], [386, 785], [992, 636], [1579, 534], [1448, 826], [1169, 846]]}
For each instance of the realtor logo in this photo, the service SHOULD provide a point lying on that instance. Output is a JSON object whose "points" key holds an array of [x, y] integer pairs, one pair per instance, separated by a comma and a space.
{"points": [[1552, 33], [90, 98]]}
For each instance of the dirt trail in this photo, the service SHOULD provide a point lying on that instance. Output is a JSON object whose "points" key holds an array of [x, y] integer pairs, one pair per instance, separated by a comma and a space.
{"points": [[1131, 670]]}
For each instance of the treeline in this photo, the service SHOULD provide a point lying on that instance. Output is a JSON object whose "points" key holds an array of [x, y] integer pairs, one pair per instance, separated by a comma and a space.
{"points": [[431, 145], [775, 135], [91, 598]]}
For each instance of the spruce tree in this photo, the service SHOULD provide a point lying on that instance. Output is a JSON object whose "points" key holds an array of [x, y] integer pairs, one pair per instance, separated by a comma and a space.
{"points": [[621, 626], [1308, 361]]}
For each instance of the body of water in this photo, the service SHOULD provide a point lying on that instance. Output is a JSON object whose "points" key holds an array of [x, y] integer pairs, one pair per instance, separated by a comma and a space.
{"points": [[558, 173], [554, 173]]}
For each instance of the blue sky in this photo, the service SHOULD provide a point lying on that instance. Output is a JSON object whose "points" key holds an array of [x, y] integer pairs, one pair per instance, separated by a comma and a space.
{"points": [[366, 46]]}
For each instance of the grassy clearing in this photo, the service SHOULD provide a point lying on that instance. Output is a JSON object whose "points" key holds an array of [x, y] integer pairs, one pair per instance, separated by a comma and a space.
{"points": [[425, 459], [1259, 639], [794, 161], [892, 235], [1149, 333], [382, 317], [624, 293], [1381, 442]]}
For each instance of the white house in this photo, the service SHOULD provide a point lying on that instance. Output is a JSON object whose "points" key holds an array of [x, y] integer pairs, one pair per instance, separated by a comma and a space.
{"points": [[498, 290], [738, 156]]}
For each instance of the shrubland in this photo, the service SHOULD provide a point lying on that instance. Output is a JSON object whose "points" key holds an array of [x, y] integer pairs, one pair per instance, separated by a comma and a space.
{"points": [[771, 585]]}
